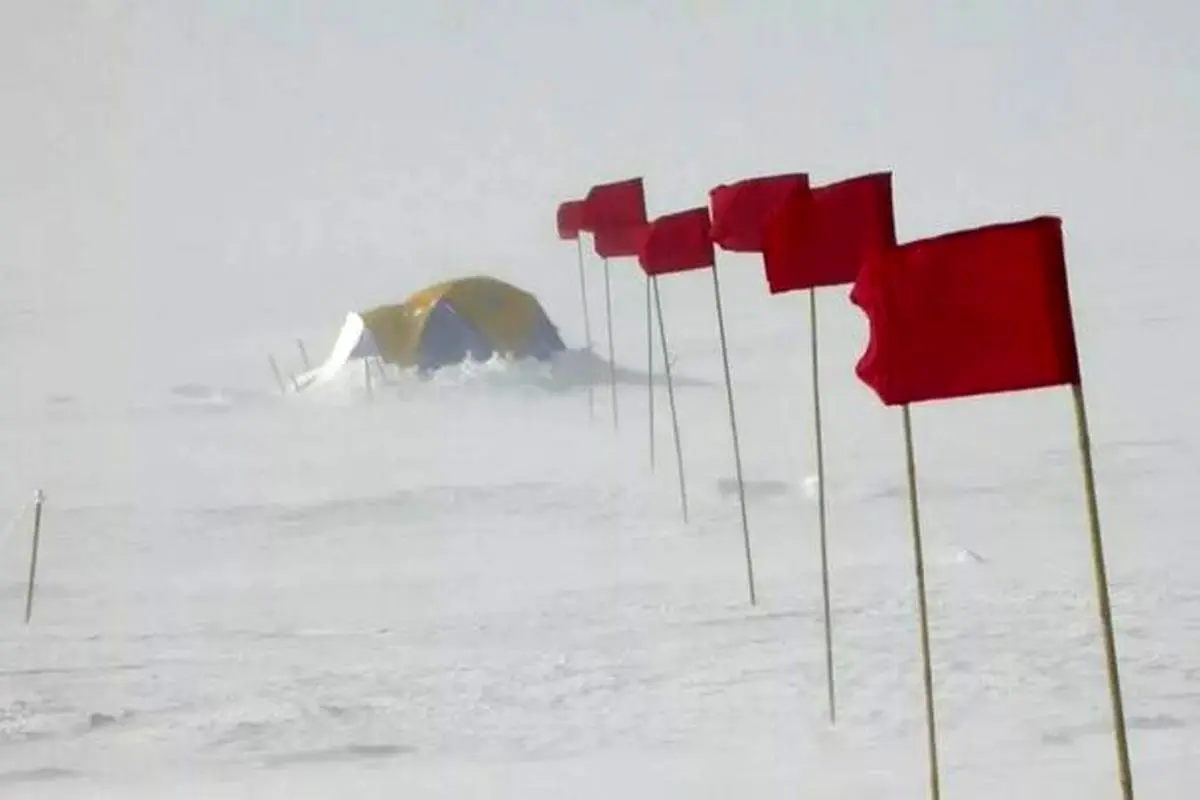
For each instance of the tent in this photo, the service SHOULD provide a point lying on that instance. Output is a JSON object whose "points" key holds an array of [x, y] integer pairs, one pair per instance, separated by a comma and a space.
{"points": [[467, 318]]}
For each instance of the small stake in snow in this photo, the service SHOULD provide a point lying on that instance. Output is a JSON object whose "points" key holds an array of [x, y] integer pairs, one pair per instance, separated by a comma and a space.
{"points": [[39, 501], [303, 354], [278, 375]]}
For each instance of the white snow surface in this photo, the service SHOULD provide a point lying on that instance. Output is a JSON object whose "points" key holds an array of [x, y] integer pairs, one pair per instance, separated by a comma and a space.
{"points": [[473, 586], [467, 587]]}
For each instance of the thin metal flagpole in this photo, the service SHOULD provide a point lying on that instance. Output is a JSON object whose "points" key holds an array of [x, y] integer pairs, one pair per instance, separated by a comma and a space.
{"points": [[587, 322], [922, 607], [816, 386], [662, 336], [1105, 607], [737, 453], [39, 502], [612, 359], [650, 367]]}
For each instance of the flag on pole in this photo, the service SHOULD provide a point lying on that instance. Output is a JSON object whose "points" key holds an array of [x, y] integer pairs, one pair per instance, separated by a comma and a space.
{"points": [[741, 210], [973, 312], [615, 214], [617, 205], [820, 237], [677, 243], [569, 219], [619, 242]]}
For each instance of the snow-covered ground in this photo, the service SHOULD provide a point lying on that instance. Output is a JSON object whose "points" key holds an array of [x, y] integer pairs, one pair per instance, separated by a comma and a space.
{"points": [[473, 587]]}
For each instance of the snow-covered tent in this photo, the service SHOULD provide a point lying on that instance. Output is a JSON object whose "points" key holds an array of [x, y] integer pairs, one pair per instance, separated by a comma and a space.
{"points": [[467, 318]]}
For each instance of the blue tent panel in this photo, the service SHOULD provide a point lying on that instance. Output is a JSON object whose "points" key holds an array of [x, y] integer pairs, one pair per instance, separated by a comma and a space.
{"points": [[544, 340], [448, 338]]}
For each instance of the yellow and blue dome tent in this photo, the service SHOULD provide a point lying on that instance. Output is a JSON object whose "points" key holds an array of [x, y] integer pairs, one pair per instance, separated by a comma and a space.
{"points": [[472, 318]]}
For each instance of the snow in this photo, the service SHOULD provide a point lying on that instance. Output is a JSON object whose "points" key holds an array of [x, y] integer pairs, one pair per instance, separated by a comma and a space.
{"points": [[473, 586]]}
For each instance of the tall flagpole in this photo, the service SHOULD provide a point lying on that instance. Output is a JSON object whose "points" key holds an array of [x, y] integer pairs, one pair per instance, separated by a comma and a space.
{"points": [[1105, 606], [587, 321], [737, 454], [650, 366], [662, 336], [922, 609], [612, 359], [816, 386]]}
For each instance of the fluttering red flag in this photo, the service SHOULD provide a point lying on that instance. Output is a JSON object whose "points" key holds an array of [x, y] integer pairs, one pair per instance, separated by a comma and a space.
{"points": [[740, 211], [820, 237], [979, 311], [621, 204], [677, 243], [569, 219], [619, 242]]}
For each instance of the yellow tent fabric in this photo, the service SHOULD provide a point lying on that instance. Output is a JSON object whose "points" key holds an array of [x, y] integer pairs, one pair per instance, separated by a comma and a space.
{"points": [[449, 321]]}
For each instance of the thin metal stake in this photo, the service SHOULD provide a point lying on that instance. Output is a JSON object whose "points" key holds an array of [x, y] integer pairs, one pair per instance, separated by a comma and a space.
{"points": [[612, 360], [39, 502], [737, 454], [650, 367], [587, 323], [1101, 577], [922, 608], [662, 336], [816, 385]]}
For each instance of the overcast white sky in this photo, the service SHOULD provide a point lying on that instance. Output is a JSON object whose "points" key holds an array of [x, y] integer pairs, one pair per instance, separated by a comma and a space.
{"points": [[181, 148]]}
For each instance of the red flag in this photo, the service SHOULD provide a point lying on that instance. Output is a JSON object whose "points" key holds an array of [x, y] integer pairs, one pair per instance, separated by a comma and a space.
{"points": [[569, 219], [619, 242], [822, 237], [740, 211], [614, 205], [973, 312], [677, 243]]}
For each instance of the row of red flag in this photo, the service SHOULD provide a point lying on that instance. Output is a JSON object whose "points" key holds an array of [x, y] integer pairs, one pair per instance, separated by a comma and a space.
{"points": [[969, 312]]}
